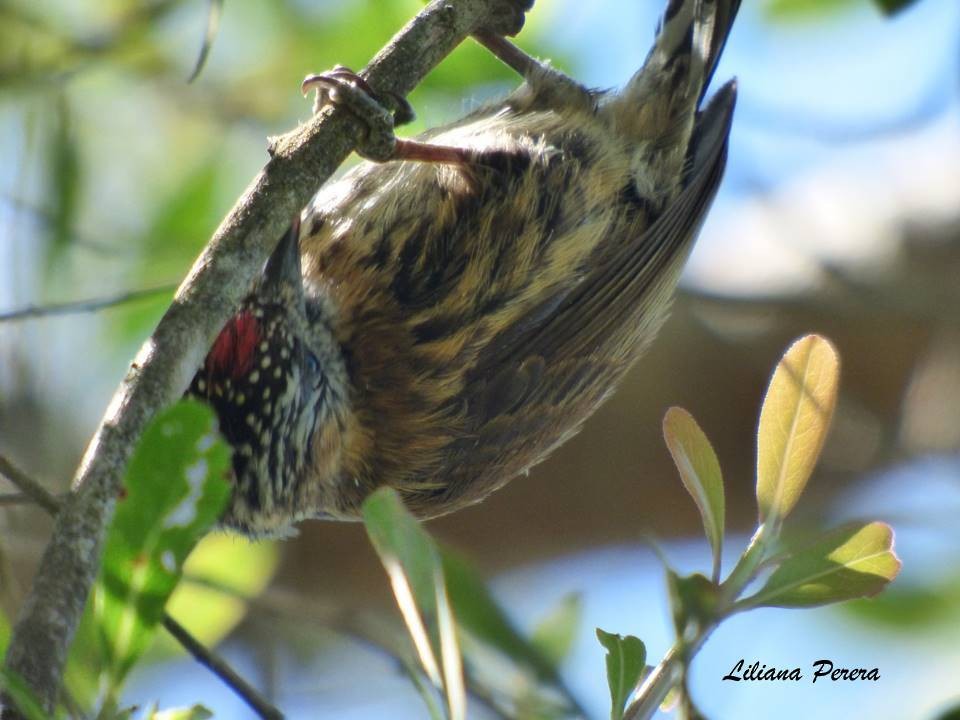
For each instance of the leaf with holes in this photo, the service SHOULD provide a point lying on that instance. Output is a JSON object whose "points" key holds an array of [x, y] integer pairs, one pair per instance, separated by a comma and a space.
{"points": [[850, 562], [700, 473], [174, 491], [413, 565], [626, 660], [793, 424]]}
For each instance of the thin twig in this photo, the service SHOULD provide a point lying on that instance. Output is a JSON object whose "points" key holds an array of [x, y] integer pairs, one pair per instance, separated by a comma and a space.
{"points": [[669, 671], [219, 667], [11, 499], [29, 487], [300, 162], [35, 492], [83, 306]]}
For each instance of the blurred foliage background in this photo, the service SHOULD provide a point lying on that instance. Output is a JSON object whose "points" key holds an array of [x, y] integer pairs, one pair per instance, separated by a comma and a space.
{"points": [[840, 214]]}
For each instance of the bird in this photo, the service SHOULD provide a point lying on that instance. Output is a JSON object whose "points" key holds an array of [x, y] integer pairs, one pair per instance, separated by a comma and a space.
{"points": [[454, 308]]}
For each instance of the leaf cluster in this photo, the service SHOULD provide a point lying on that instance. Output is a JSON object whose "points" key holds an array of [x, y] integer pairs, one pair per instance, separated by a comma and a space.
{"points": [[448, 611], [841, 564]]}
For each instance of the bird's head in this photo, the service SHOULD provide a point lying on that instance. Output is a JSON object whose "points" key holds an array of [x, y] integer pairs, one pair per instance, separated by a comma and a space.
{"points": [[275, 378]]}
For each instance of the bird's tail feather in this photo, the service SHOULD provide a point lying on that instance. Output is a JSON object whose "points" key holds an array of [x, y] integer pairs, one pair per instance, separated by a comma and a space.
{"points": [[690, 39], [724, 13]]}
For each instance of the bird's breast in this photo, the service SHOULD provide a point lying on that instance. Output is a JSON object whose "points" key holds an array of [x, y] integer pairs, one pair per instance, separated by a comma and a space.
{"points": [[429, 267]]}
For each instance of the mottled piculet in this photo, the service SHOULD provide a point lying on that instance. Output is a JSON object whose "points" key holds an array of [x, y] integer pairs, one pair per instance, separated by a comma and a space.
{"points": [[440, 322]]}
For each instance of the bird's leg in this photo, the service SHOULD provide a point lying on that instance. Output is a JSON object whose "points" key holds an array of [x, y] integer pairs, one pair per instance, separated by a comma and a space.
{"points": [[550, 86], [526, 66], [345, 88]]}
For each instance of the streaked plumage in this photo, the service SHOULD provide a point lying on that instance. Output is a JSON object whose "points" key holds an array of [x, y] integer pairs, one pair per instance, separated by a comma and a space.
{"points": [[471, 316]]}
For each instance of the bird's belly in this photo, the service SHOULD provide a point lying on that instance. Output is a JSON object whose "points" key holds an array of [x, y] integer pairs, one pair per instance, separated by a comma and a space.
{"points": [[439, 297]]}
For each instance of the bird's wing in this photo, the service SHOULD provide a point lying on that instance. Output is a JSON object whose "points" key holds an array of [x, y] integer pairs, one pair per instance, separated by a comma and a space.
{"points": [[529, 375], [621, 279]]}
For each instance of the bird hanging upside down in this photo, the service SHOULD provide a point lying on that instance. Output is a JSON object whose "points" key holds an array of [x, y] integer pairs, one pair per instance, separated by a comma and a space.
{"points": [[441, 320]]}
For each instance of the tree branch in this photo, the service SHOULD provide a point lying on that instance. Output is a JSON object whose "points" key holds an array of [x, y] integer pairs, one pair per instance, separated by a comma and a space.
{"points": [[31, 489], [34, 492], [301, 161], [222, 670], [83, 306]]}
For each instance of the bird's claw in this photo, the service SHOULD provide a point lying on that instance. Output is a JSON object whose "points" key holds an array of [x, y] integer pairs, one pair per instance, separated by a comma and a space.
{"points": [[345, 88]]}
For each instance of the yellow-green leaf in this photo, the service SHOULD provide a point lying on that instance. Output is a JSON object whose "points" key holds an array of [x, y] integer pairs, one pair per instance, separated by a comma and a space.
{"points": [[850, 562], [793, 424], [220, 574], [700, 473], [412, 561]]}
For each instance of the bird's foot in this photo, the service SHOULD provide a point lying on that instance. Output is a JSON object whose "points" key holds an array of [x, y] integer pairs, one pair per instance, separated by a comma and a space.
{"points": [[345, 88]]}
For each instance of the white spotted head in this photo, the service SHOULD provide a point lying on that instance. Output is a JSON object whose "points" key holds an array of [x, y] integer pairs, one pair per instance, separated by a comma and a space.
{"points": [[273, 376]]}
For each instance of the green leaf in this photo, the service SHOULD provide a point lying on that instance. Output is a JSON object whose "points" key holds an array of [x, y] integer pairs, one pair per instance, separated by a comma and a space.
{"points": [[949, 714], [807, 10], [482, 620], [4, 632], [850, 562], [112, 713], [626, 660], [700, 473], [554, 635], [413, 565], [480, 614], [196, 712], [793, 424], [65, 178], [174, 491], [892, 7], [20, 694], [398, 538], [693, 599]]}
